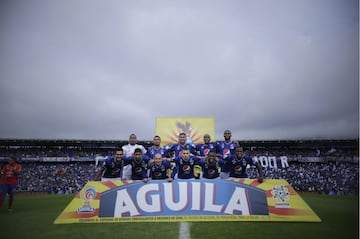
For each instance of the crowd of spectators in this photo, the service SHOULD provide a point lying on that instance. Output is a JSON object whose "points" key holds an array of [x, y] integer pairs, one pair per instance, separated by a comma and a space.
{"points": [[336, 174], [53, 152], [332, 178], [58, 178], [36, 153]]}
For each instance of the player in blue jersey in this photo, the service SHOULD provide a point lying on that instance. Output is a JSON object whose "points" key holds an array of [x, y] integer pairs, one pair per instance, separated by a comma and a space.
{"points": [[185, 165], [157, 149], [206, 147], [112, 168], [139, 165], [239, 162], [176, 149], [160, 169], [129, 151], [226, 149], [211, 166]]}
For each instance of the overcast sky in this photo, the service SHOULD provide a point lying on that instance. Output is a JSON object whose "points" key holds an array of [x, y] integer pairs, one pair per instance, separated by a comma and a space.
{"points": [[83, 69]]}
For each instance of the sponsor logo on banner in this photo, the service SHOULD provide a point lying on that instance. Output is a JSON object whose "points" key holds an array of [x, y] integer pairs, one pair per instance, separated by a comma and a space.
{"points": [[281, 194], [87, 196], [183, 197]]}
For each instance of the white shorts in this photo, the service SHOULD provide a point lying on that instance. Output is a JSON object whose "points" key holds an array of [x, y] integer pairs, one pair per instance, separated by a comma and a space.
{"points": [[127, 172], [224, 175]]}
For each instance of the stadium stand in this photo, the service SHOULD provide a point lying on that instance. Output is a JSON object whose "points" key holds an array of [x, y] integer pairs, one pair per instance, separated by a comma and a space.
{"points": [[64, 166]]}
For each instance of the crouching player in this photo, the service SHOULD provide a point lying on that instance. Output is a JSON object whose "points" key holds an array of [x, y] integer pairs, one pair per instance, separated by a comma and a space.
{"points": [[211, 166], [112, 168], [139, 165], [185, 165], [160, 169], [238, 164], [9, 174]]}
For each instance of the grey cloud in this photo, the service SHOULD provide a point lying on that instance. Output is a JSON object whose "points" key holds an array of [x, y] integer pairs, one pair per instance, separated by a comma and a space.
{"points": [[104, 70]]}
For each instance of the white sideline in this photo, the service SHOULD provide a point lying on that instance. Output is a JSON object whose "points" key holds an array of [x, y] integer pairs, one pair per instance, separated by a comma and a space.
{"points": [[184, 230]]}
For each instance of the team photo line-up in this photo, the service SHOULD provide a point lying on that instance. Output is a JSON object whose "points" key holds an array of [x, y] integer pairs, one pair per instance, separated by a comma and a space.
{"points": [[182, 160], [133, 162]]}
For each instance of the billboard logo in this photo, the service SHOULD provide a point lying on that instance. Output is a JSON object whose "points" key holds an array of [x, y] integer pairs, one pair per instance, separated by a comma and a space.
{"points": [[281, 194], [183, 197], [169, 128], [88, 195]]}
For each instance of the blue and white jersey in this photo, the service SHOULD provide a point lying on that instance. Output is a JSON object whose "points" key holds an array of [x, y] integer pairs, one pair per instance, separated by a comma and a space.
{"points": [[177, 148], [152, 151], [185, 168], [237, 166], [138, 168], [160, 171], [211, 170], [112, 168], [226, 150], [204, 149], [128, 152]]}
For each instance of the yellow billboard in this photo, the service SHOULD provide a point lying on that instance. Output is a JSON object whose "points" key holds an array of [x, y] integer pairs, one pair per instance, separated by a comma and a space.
{"points": [[169, 128], [274, 200]]}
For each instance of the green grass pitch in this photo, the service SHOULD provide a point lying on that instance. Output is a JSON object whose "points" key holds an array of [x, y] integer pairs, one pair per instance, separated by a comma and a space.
{"points": [[33, 217]]}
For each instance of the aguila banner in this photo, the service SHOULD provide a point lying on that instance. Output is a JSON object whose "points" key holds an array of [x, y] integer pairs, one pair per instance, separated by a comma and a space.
{"points": [[187, 200]]}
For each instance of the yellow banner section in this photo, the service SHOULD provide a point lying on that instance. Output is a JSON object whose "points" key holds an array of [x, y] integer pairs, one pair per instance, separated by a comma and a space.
{"points": [[282, 201], [169, 128]]}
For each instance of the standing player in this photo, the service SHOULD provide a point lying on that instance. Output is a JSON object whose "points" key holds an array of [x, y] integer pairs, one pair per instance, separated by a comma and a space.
{"points": [[157, 149], [206, 147], [239, 162], [226, 149], [176, 149], [112, 168], [9, 173]]}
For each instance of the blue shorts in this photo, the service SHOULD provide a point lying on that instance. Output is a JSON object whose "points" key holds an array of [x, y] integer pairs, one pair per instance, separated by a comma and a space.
{"points": [[8, 189]]}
